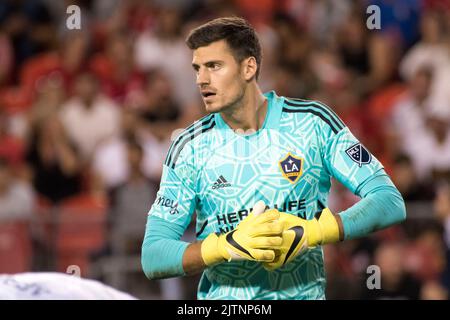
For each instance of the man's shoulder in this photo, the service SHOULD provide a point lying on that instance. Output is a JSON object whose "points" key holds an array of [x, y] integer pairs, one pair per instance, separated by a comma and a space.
{"points": [[313, 110], [305, 106], [187, 136], [195, 129]]}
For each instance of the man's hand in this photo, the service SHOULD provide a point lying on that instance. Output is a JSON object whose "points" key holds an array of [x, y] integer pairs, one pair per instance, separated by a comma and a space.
{"points": [[255, 238], [300, 234]]}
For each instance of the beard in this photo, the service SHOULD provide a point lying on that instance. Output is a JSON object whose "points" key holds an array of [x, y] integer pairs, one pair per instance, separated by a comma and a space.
{"points": [[228, 106]]}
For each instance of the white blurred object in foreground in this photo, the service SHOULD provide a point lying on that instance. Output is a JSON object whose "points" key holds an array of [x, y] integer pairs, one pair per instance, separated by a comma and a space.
{"points": [[55, 286]]}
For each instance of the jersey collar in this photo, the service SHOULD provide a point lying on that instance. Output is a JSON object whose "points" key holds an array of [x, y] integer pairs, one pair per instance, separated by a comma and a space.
{"points": [[272, 120]]}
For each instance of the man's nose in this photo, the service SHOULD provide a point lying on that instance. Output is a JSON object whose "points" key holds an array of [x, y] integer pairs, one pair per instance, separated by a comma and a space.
{"points": [[202, 77]]}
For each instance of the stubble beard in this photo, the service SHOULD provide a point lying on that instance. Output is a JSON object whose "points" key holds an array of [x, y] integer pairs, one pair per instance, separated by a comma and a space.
{"points": [[236, 103]]}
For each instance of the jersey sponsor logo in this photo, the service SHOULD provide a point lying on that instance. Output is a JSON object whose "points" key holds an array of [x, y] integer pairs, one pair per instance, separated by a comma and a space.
{"points": [[168, 203], [227, 221], [291, 167], [221, 183], [359, 154]]}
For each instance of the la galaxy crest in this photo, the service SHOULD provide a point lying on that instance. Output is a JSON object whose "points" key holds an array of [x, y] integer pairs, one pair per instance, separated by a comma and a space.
{"points": [[291, 167]]}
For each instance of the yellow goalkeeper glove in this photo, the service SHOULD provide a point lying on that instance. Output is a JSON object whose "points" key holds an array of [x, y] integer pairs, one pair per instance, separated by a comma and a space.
{"points": [[255, 238], [300, 234]]}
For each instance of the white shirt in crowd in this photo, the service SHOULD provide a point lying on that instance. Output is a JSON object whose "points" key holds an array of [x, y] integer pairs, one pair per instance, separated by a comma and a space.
{"points": [[436, 57], [113, 154], [416, 138], [17, 202], [174, 58], [87, 128]]}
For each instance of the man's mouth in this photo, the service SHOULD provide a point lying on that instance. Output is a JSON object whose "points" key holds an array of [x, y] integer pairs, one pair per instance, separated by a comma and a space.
{"points": [[206, 94]]}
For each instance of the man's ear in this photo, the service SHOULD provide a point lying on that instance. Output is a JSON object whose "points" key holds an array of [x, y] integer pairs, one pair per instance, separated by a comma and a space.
{"points": [[249, 68]]}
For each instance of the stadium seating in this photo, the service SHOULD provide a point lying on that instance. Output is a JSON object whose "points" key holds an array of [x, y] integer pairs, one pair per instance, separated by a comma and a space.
{"points": [[80, 231], [15, 247]]}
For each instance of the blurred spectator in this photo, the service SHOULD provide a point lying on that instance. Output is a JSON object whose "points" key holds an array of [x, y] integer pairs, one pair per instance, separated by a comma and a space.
{"points": [[113, 152], [28, 25], [16, 196], [63, 64], [158, 108], [17, 200], [329, 71], [340, 274], [432, 52], [429, 145], [151, 122], [396, 282], [442, 209], [89, 117], [285, 82], [6, 58], [384, 55], [164, 48], [419, 128], [11, 146], [116, 71], [412, 106], [442, 213], [433, 290], [406, 180], [429, 51], [319, 18], [130, 203], [399, 19], [257, 13], [439, 126], [352, 37], [49, 97], [54, 161], [293, 47], [72, 57], [425, 255]]}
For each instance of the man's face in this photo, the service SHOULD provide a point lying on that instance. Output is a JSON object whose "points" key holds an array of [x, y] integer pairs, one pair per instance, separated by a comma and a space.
{"points": [[219, 76]]}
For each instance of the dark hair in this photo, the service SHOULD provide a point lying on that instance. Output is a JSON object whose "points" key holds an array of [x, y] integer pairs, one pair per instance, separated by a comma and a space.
{"points": [[238, 34]]}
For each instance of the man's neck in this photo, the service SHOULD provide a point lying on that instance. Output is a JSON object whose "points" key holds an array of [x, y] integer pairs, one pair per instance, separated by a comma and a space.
{"points": [[250, 113]]}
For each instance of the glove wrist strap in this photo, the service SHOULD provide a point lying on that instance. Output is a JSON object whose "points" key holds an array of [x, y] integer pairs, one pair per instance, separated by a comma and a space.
{"points": [[210, 250], [329, 227]]}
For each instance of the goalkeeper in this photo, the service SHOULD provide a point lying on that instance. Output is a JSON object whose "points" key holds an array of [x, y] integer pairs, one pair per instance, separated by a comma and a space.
{"points": [[257, 172]]}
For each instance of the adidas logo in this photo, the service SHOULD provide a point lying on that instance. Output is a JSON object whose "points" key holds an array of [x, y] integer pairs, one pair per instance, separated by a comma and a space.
{"points": [[221, 183]]}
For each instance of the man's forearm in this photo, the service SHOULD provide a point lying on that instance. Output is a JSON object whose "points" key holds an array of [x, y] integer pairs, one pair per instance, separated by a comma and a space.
{"points": [[192, 259], [164, 255], [162, 249], [381, 207]]}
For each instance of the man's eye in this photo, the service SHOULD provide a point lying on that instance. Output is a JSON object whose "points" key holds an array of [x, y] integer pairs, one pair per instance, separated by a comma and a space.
{"points": [[215, 66]]}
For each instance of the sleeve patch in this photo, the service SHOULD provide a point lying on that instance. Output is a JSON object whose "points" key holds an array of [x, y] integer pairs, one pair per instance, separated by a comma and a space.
{"points": [[359, 154]]}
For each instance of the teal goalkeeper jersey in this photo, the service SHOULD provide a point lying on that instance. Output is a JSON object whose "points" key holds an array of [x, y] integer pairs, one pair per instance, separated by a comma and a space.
{"points": [[218, 175]]}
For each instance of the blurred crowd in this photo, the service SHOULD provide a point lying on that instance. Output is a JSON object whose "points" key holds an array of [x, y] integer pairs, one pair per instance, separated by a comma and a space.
{"points": [[87, 116]]}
